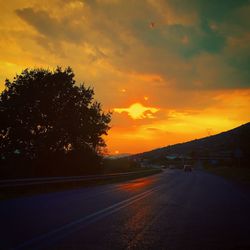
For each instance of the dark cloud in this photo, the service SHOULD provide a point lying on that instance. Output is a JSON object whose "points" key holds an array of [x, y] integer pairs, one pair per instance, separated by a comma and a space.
{"points": [[170, 38], [208, 10], [218, 10], [50, 27], [153, 129], [121, 29], [201, 36]]}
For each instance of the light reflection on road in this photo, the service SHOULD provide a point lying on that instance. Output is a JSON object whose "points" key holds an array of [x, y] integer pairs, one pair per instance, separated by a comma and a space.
{"points": [[136, 225], [137, 184]]}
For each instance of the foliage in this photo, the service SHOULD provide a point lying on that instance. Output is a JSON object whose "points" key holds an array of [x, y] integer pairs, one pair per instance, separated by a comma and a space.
{"points": [[44, 114], [124, 164]]}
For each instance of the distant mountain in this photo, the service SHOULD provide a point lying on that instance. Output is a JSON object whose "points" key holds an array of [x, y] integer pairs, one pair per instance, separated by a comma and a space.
{"points": [[116, 156], [235, 142]]}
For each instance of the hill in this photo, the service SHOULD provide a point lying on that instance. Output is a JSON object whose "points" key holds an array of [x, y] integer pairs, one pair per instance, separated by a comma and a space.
{"points": [[227, 146]]}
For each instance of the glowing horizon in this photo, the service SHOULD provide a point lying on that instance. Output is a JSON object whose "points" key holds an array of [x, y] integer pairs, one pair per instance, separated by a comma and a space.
{"points": [[170, 71]]}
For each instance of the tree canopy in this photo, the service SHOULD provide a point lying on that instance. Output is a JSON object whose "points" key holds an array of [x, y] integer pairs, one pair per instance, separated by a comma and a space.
{"points": [[45, 113]]}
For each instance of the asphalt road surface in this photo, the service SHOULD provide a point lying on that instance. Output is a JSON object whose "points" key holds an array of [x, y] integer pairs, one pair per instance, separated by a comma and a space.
{"points": [[172, 210]]}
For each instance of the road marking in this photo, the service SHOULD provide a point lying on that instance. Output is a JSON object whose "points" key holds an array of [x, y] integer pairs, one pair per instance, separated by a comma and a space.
{"points": [[63, 231]]}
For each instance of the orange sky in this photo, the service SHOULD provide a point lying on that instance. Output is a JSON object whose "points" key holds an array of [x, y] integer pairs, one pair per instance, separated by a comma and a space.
{"points": [[169, 71]]}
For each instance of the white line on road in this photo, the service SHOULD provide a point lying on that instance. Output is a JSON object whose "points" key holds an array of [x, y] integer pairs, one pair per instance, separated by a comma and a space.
{"points": [[61, 232]]}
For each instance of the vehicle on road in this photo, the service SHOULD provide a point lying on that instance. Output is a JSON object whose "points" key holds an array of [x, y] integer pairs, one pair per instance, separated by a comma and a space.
{"points": [[187, 168]]}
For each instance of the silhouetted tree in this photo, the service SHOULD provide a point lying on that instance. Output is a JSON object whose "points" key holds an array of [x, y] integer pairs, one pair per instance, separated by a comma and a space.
{"points": [[44, 115]]}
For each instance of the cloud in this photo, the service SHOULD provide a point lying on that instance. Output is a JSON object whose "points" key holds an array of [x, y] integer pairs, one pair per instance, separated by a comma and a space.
{"points": [[183, 36], [153, 129], [51, 27]]}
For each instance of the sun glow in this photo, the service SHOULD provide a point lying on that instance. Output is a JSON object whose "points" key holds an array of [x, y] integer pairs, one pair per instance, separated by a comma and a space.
{"points": [[138, 111]]}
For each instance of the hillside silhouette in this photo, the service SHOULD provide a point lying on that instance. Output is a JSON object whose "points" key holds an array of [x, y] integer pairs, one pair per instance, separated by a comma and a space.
{"points": [[231, 145]]}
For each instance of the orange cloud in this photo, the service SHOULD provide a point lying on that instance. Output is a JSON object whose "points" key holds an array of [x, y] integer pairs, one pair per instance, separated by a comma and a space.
{"points": [[138, 111], [185, 40]]}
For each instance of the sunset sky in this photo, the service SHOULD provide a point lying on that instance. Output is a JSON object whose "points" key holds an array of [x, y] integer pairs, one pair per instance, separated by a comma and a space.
{"points": [[170, 70]]}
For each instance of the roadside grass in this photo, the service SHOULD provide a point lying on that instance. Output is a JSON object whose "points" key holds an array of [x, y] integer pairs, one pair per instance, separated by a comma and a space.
{"points": [[15, 192], [237, 174]]}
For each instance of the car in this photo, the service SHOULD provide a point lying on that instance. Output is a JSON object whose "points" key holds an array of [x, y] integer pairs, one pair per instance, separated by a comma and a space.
{"points": [[187, 168]]}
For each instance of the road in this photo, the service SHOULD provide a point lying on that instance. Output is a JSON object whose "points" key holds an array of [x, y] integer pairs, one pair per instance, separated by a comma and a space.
{"points": [[172, 210]]}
